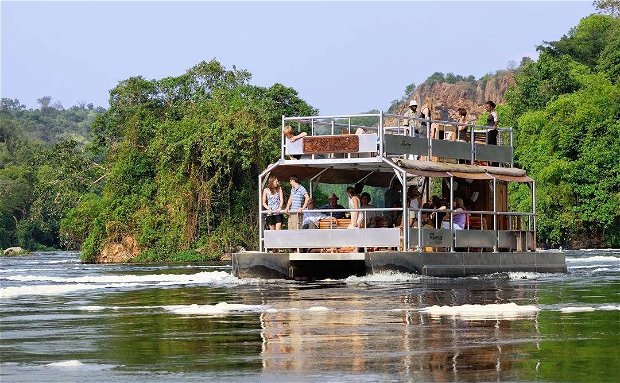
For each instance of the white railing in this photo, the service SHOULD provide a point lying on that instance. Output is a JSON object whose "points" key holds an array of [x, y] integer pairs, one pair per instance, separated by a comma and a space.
{"points": [[470, 149]]}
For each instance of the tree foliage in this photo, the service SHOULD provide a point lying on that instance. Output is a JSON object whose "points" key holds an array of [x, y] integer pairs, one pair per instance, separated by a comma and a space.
{"points": [[566, 111], [608, 6], [450, 78], [182, 156], [38, 183]]}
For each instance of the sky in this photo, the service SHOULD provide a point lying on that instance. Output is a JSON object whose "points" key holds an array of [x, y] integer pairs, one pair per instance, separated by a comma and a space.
{"points": [[341, 57]]}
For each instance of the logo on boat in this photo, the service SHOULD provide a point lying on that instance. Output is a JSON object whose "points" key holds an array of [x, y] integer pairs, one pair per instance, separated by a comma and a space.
{"points": [[435, 237]]}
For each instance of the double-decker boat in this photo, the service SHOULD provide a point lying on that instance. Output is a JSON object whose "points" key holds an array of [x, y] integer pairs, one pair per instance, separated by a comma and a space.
{"points": [[376, 151]]}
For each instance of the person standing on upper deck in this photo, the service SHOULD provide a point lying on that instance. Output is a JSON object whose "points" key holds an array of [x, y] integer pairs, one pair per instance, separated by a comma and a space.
{"points": [[297, 201], [492, 121], [413, 125], [290, 137], [462, 125]]}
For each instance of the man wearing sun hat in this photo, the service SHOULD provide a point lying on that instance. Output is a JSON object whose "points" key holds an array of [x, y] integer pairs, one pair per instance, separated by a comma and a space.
{"points": [[332, 203], [411, 113]]}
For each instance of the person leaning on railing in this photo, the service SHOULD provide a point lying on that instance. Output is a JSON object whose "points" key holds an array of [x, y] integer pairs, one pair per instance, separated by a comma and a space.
{"points": [[291, 137], [459, 216], [297, 201], [462, 125]]}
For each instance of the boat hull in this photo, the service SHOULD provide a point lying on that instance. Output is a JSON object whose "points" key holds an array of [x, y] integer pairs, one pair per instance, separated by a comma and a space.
{"points": [[437, 264]]}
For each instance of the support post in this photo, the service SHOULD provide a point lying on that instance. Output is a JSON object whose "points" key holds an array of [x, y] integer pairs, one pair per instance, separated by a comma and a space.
{"points": [[534, 213], [420, 230], [381, 133], [452, 213], [405, 219], [282, 140], [494, 216], [260, 213]]}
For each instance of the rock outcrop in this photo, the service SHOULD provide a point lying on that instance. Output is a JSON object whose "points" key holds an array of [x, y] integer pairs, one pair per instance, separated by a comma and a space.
{"points": [[11, 251], [446, 98], [119, 252]]}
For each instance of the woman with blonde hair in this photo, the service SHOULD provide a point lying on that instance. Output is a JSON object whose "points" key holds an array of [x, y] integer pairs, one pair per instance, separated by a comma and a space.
{"points": [[272, 202], [290, 137]]}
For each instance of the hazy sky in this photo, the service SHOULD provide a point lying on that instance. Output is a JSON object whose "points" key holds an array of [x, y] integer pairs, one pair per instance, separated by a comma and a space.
{"points": [[342, 57]]}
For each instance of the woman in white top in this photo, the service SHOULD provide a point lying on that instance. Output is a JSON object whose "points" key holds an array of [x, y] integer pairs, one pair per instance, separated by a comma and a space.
{"points": [[272, 202], [413, 202], [357, 217]]}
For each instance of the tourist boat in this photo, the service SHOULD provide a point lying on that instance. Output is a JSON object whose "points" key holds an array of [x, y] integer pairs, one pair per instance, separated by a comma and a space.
{"points": [[376, 150]]}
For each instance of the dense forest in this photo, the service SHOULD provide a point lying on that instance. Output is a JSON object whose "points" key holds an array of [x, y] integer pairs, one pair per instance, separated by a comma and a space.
{"points": [[44, 169], [181, 158], [565, 108], [169, 170]]}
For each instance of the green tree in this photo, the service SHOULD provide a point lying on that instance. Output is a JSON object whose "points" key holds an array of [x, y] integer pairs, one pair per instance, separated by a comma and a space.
{"points": [[569, 148], [608, 6], [182, 155]]}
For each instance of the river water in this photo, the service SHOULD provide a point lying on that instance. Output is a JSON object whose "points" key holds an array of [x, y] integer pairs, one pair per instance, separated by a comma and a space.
{"points": [[63, 321]]}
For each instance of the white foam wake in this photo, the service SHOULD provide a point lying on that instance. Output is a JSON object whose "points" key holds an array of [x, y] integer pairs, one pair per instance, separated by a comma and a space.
{"points": [[515, 275], [585, 309], [482, 312], [217, 309], [201, 277], [11, 292], [66, 363], [384, 276], [594, 259]]}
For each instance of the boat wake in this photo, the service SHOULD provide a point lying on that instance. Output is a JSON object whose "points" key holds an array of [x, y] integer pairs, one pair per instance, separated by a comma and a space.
{"points": [[483, 312], [64, 285]]}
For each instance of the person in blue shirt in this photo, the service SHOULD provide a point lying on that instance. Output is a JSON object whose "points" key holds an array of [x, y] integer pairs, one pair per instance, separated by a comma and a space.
{"points": [[312, 218], [297, 201]]}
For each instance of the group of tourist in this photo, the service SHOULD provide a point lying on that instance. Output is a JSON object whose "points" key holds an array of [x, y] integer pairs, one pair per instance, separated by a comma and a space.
{"points": [[461, 133], [300, 208]]}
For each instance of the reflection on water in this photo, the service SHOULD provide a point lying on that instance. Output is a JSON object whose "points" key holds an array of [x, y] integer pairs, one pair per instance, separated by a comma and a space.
{"points": [[401, 342], [197, 323]]}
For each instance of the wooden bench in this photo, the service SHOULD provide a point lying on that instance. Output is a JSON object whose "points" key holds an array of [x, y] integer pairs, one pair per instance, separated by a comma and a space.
{"points": [[334, 223]]}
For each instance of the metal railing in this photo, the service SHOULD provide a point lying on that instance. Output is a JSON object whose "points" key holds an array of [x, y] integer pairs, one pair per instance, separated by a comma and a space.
{"points": [[517, 236], [473, 236], [471, 146]]}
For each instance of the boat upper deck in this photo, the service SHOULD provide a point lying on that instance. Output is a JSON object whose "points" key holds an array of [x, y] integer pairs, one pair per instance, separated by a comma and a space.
{"points": [[367, 138]]}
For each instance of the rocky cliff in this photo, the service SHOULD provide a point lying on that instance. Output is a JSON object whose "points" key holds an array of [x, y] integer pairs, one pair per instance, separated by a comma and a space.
{"points": [[446, 98]]}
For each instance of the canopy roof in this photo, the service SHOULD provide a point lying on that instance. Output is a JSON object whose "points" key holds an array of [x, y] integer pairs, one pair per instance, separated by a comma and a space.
{"points": [[380, 172]]}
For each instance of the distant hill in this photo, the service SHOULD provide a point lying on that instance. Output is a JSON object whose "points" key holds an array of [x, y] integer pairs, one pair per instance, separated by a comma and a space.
{"points": [[51, 123]]}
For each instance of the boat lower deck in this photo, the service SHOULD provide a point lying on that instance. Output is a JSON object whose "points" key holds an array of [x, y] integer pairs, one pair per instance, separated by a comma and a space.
{"points": [[440, 264]]}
